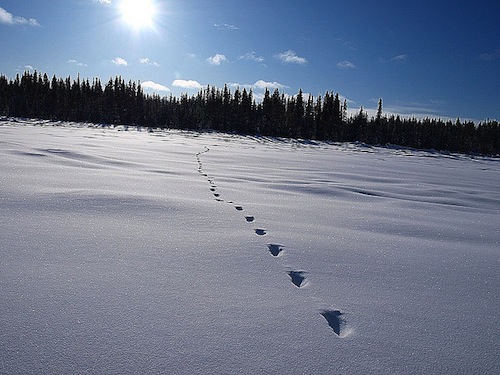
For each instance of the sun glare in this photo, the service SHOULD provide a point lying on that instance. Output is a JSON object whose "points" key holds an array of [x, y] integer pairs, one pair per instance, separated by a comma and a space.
{"points": [[138, 13]]}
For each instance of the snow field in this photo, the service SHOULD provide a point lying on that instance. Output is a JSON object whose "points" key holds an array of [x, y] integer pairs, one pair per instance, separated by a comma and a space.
{"points": [[186, 253]]}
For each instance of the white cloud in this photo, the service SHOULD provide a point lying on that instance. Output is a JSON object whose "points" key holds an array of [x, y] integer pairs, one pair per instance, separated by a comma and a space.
{"points": [[217, 59], [119, 61], [72, 61], [9, 19], [346, 65], [154, 86], [251, 56], [225, 26], [187, 84], [239, 86], [404, 110], [258, 87], [290, 57], [258, 97], [262, 85], [102, 1], [147, 61], [399, 58]]}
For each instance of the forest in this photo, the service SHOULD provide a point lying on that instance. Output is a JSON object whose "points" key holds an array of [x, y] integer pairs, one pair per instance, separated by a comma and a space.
{"points": [[322, 118]]}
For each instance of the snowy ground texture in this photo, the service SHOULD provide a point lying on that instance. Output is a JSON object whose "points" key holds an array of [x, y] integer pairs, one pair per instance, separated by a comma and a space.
{"points": [[127, 252]]}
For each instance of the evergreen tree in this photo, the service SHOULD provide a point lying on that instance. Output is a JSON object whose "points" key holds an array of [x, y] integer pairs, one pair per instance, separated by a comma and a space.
{"points": [[379, 111], [33, 94], [308, 130]]}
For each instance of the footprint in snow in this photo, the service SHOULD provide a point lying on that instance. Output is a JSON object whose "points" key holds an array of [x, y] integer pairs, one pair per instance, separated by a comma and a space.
{"points": [[274, 249], [297, 277], [334, 319]]}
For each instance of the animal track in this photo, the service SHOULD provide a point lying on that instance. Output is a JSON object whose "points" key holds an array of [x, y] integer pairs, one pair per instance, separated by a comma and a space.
{"points": [[297, 277], [274, 249], [334, 319], [213, 187]]}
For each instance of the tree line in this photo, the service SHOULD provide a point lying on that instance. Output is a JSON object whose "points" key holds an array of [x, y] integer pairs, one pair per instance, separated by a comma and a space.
{"points": [[321, 118]]}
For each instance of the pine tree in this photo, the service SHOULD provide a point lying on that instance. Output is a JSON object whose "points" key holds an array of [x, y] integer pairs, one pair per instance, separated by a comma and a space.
{"points": [[33, 94], [226, 109], [308, 130], [379, 111]]}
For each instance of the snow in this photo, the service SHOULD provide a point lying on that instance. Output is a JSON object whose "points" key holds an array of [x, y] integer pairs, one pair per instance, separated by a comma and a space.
{"points": [[203, 253]]}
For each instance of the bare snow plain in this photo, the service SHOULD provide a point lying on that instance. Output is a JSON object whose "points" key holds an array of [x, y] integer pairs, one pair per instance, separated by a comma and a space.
{"points": [[170, 252]]}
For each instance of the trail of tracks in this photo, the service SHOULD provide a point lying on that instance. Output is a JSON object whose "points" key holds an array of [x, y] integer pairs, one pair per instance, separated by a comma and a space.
{"points": [[335, 318]]}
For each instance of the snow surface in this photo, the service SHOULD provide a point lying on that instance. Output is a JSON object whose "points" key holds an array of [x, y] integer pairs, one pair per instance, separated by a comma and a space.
{"points": [[127, 252]]}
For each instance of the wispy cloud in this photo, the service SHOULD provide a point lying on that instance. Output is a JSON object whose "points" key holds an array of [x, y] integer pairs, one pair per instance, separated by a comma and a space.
{"points": [[150, 85], [72, 61], [102, 1], [490, 56], [346, 43], [290, 57], [118, 61], [407, 110], [433, 109], [251, 56], [187, 84], [398, 58], [225, 26], [25, 67], [346, 65], [350, 102], [9, 19], [437, 101], [147, 61], [217, 59]]}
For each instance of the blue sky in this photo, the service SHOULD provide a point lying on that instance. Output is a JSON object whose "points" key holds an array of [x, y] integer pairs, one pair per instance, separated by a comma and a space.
{"points": [[423, 58]]}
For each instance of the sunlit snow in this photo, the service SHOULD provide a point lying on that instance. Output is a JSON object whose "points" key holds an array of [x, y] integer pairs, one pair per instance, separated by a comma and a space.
{"points": [[202, 253]]}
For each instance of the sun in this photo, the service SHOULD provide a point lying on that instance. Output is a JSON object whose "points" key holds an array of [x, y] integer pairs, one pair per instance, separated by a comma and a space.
{"points": [[138, 13]]}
